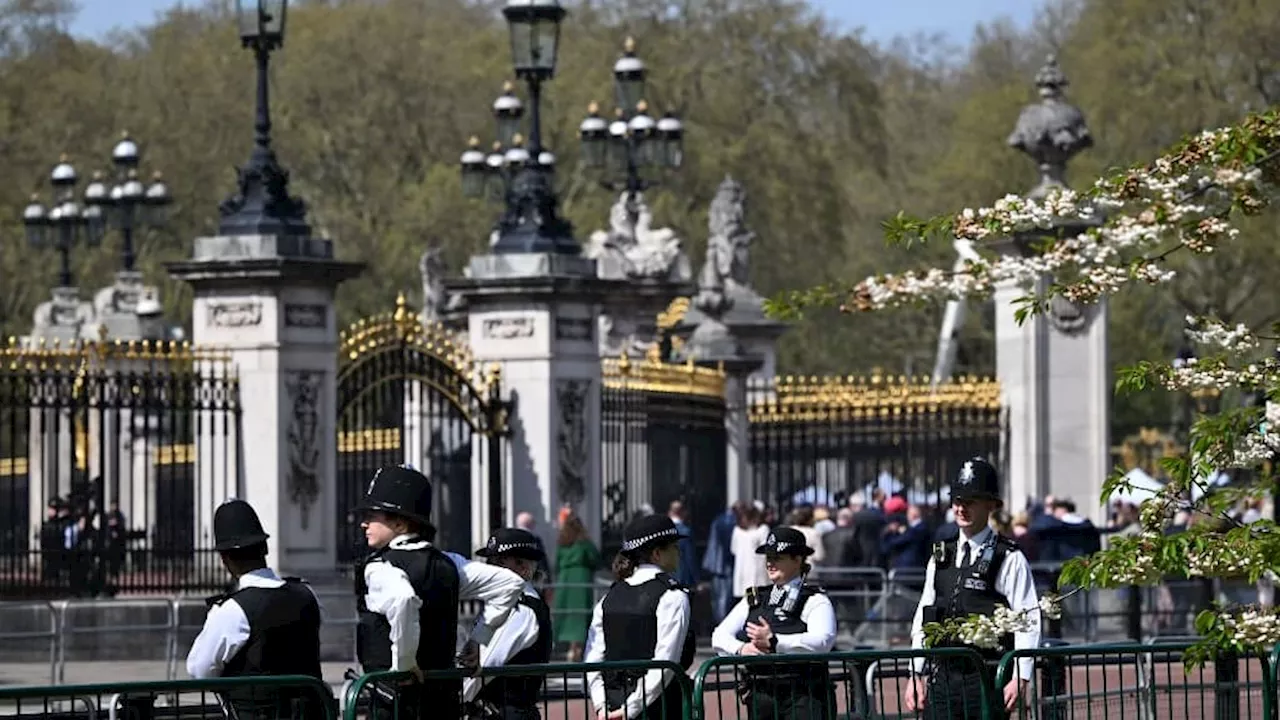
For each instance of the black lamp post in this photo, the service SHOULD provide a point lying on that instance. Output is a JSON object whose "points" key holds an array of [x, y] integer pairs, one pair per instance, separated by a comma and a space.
{"points": [[634, 140], [64, 221], [520, 176], [262, 204], [128, 203]]}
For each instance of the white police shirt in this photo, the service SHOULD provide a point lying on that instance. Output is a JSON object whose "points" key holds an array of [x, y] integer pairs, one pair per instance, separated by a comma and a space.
{"points": [[391, 595], [226, 628], [673, 623], [818, 615], [1014, 582], [518, 633]]}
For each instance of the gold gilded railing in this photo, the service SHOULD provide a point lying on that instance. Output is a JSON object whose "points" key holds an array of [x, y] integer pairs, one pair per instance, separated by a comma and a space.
{"points": [[372, 334], [651, 375], [814, 398], [369, 440]]}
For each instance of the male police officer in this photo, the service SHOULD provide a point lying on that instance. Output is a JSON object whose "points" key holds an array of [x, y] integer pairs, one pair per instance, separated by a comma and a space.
{"points": [[972, 575], [524, 639], [408, 591], [267, 625]]}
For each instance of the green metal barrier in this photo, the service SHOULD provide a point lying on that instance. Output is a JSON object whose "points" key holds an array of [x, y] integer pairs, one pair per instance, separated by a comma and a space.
{"points": [[248, 698], [862, 684], [564, 696], [1139, 682]]}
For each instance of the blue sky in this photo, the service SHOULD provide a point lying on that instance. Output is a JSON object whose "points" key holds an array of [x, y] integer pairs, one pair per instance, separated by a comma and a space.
{"points": [[882, 19]]}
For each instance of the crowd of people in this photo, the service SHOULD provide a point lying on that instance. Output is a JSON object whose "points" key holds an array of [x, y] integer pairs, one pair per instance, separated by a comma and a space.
{"points": [[82, 549]]}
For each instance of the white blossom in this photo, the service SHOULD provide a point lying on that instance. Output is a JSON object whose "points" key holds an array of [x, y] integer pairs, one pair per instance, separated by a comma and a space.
{"points": [[1051, 606], [1253, 627]]}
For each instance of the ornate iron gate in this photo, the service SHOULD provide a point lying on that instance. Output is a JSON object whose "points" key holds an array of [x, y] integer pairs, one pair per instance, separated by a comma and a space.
{"points": [[408, 393]]}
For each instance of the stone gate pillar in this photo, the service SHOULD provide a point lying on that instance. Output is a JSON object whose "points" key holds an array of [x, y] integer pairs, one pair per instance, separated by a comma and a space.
{"points": [[535, 316], [1053, 369], [268, 301]]}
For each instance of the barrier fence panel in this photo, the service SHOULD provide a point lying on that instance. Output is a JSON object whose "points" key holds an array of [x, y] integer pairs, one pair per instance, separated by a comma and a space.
{"points": [[259, 698], [565, 693], [28, 643], [98, 634], [1138, 682], [858, 684]]}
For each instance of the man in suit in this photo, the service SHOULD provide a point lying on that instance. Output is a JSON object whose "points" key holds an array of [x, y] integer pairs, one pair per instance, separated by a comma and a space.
{"points": [[906, 541], [841, 554], [687, 572], [868, 526]]}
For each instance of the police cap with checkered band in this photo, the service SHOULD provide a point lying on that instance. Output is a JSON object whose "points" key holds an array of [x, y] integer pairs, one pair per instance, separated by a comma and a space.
{"points": [[512, 542], [977, 480], [785, 541]]}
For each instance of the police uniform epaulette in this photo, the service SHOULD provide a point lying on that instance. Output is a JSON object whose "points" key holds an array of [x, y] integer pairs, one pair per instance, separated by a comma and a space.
{"points": [[813, 587], [291, 578], [1008, 542], [673, 583]]}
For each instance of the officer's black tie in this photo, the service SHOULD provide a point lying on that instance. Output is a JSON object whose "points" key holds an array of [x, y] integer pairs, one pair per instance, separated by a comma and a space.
{"points": [[964, 555]]}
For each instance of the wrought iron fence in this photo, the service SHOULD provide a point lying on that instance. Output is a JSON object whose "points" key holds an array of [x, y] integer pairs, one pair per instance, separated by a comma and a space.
{"points": [[816, 440], [110, 457], [410, 392], [663, 436]]}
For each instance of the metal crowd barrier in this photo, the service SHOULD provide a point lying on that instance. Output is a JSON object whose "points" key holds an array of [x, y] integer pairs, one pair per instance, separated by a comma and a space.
{"points": [[1141, 682], [261, 698], [1124, 681], [565, 694]]}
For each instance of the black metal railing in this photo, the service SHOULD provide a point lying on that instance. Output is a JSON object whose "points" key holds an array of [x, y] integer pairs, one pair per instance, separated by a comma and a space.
{"points": [[112, 459], [817, 440], [663, 439], [408, 392]]}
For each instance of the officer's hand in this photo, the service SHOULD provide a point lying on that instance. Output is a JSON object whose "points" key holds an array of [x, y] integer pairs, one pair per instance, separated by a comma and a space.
{"points": [[917, 691], [619, 714], [749, 649], [469, 658], [417, 675], [760, 634], [1013, 693]]}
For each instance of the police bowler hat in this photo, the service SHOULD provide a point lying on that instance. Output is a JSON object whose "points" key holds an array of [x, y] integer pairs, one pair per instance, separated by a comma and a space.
{"points": [[977, 480], [512, 542], [399, 490], [236, 525], [785, 541], [649, 531]]}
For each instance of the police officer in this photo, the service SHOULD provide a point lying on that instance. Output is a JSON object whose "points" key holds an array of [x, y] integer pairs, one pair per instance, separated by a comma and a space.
{"points": [[644, 616], [267, 625], [973, 574], [524, 639], [408, 592], [788, 616]]}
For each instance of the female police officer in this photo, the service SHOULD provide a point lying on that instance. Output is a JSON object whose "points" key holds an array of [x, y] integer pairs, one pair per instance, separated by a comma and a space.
{"points": [[644, 616], [407, 591], [972, 574], [787, 617], [524, 639]]}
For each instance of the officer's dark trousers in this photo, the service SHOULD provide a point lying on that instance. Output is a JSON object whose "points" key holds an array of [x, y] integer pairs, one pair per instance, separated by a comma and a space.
{"points": [[789, 697], [432, 700], [509, 712], [955, 693]]}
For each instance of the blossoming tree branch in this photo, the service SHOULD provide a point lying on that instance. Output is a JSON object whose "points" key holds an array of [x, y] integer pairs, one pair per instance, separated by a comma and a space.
{"points": [[1088, 245]]}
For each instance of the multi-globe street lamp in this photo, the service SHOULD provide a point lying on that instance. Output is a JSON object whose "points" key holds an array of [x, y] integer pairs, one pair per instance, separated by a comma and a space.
{"points": [[521, 175], [65, 221], [634, 140], [127, 203]]}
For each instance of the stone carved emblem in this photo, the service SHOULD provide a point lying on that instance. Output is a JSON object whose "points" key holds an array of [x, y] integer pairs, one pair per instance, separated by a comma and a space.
{"points": [[512, 328], [303, 482], [233, 315], [306, 316], [571, 439], [1069, 318]]}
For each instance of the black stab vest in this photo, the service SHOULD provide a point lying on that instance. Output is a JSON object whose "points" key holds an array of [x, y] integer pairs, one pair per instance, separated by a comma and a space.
{"points": [[435, 580], [784, 619], [629, 614], [971, 589], [523, 691], [284, 639]]}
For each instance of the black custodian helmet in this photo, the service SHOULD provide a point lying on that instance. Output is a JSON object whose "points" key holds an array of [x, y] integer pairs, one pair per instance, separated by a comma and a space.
{"points": [[977, 480], [399, 490]]}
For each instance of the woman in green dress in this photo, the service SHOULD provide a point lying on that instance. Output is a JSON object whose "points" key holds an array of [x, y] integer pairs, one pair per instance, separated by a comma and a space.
{"points": [[576, 562]]}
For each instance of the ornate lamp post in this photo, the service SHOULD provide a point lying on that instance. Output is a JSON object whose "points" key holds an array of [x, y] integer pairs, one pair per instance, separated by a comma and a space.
{"points": [[262, 204], [128, 203], [64, 221], [522, 177], [634, 140]]}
